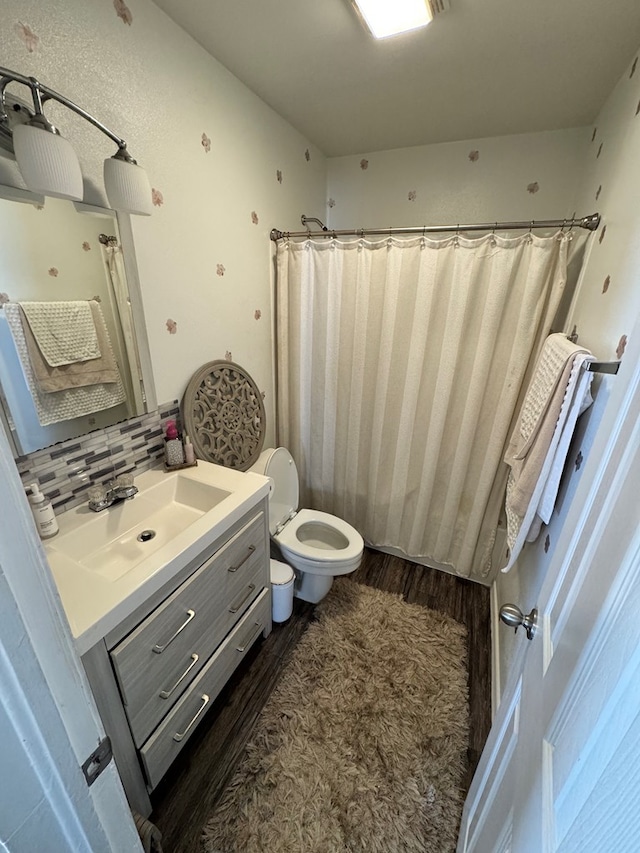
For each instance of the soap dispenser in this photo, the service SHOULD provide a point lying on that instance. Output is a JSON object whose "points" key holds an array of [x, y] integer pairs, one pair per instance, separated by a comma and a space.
{"points": [[43, 513], [173, 450], [189, 452]]}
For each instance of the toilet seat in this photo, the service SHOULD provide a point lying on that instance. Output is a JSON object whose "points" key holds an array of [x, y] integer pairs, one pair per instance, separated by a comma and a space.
{"points": [[278, 465], [308, 543]]}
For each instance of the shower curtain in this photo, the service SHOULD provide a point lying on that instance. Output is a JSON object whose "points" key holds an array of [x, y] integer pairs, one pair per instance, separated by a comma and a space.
{"points": [[121, 307], [400, 365]]}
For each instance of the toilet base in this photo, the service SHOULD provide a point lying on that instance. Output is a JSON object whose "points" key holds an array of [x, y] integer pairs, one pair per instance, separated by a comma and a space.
{"points": [[311, 587]]}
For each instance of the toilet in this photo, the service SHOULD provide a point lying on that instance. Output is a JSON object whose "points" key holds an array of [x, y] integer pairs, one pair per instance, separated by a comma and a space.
{"points": [[319, 546]]}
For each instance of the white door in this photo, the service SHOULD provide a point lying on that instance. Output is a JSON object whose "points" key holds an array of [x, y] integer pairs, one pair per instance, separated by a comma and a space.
{"points": [[49, 724], [560, 770]]}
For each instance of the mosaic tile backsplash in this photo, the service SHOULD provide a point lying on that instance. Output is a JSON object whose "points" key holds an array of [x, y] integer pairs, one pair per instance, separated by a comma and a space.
{"points": [[66, 470]]}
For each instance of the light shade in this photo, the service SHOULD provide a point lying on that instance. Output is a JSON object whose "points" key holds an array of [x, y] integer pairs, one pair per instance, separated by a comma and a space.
{"points": [[47, 162], [386, 18], [127, 185]]}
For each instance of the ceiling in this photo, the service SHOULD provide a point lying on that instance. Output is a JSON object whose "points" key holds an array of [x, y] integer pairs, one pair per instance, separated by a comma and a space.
{"points": [[483, 68]]}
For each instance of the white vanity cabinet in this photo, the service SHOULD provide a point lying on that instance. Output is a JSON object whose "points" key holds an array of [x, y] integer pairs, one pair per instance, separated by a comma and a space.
{"points": [[157, 673]]}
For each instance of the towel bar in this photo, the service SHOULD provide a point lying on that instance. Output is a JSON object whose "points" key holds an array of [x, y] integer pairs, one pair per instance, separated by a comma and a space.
{"points": [[603, 367]]}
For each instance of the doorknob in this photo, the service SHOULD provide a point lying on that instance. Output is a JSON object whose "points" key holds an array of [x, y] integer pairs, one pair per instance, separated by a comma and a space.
{"points": [[514, 617]]}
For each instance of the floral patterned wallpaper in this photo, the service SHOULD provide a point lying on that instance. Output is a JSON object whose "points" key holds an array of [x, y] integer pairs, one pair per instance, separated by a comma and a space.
{"points": [[609, 299], [224, 169], [523, 177]]}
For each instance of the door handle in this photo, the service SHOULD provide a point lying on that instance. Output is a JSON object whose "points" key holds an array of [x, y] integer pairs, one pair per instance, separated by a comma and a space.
{"points": [[512, 616]]}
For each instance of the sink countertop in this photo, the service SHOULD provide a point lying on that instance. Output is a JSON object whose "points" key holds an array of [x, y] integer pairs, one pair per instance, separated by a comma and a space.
{"points": [[94, 604]]}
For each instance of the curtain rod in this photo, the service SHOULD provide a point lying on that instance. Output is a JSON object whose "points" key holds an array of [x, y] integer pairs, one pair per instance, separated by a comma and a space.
{"points": [[590, 223]]}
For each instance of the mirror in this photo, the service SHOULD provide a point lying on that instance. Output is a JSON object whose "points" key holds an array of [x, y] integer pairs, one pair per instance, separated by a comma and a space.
{"points": [[63, 254]]}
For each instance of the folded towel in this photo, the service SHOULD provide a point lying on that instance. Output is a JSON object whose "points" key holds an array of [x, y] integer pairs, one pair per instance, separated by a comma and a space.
{"points": [[582, 401], [538, 417], [60, 405], [540, 441], [65, 331], [78, 373]]}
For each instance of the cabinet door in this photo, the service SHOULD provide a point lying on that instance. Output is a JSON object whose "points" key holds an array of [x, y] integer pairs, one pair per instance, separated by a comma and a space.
{"points": [[160, 658]]}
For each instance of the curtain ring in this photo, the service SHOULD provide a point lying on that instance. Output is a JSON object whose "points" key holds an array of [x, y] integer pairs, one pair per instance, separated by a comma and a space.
{"points": [[564, 222], [493, 232], [531, 226]]}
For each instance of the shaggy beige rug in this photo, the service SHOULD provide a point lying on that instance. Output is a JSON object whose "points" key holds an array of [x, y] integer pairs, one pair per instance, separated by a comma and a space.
{"points": [[362, 745]]}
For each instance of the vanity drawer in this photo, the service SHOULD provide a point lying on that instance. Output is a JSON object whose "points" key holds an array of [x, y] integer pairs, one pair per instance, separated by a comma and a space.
{"points": [[159, 659], [167, 741]]}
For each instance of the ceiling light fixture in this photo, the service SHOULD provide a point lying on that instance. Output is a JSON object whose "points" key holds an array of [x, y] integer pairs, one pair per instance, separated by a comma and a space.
{"points": [[384, 18], [47, 161]]}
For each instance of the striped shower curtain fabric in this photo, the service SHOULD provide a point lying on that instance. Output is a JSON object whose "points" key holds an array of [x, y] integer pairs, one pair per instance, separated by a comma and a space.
{"points": [[400, 367]]}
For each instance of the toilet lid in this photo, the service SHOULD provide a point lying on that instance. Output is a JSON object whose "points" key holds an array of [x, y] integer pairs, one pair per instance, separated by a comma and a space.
{"points": [[283, 500]]}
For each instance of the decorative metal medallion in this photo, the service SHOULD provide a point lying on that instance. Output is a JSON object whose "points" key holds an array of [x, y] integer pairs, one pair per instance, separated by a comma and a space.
{"points": [[223, 413]]}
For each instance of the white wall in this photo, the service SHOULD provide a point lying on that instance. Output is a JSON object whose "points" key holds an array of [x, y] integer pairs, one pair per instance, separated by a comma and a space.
{"points": [[602, 313], [523, 177], [153, 85]]}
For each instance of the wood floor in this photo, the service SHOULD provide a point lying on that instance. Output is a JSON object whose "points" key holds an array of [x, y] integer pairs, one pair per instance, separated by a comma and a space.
{"points": [[196, 780]]}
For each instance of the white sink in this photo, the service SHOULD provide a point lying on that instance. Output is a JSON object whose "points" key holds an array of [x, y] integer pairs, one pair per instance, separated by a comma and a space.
{"points": [[113, 541], [106, 564]]}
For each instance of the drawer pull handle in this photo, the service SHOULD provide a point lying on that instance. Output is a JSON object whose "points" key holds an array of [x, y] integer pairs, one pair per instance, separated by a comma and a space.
{"points": [[181, 736], [252, 548], [164, 694], [251, 639], [159, 649], [235, 607]]}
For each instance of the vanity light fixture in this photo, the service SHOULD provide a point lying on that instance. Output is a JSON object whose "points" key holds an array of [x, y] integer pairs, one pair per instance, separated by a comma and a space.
{"points": [[47, 161], [385, 18]]}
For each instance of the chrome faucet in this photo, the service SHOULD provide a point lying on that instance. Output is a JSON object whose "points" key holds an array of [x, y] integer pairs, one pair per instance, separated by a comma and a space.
{"points": [[120, 489]]}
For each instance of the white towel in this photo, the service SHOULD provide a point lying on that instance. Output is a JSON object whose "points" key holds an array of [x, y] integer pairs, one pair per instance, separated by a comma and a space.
{"points": [[525, 526], [78, 374], [60, 405], [581, 402], [64, 331]]}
